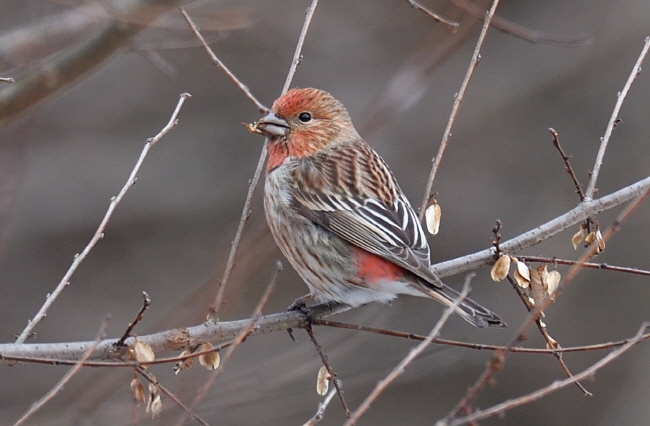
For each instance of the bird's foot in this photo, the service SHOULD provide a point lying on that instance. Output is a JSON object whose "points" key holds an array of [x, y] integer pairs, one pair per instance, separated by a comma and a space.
{"points": [[300, 305]]}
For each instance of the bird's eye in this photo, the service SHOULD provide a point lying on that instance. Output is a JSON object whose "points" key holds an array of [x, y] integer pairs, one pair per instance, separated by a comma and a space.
{"points": [[304, 117]]}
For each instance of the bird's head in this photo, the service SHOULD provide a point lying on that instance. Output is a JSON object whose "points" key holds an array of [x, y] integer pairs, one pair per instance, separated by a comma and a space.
{"points": [[304, 122]]}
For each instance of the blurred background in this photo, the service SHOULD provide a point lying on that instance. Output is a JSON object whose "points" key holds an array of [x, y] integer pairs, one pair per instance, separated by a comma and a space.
{"points": [[396, 70]]}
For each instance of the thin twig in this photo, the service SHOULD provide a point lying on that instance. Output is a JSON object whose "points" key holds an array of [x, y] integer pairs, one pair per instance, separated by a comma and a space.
{"points": [[335, 324], [399, 368], [604, 266], [220, 64], [161, 341], [499, 358], [527, 34], [66, 378], [151, 379], [99, 233], [297, 55], [458, 99], [145, 305], [320, 413], [252, 186], [553, 387], [542, 232], [245, 215], [591, 186], [330, 371], [476, 346], [203, 391], [550, 342], [567, 163], [433, 15]]}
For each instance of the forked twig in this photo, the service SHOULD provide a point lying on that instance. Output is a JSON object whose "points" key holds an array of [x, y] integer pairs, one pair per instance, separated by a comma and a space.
{"points": [[399, 368], [499, 358], [220, 64], [476, 346], [99, 233], [591, 186], [550, 342], [252, 187], [603, 266], [330, 371], [320, 413], [66, 378], [544, 231], [553, 387], [203, 391], [458, 99], [151, 379]]}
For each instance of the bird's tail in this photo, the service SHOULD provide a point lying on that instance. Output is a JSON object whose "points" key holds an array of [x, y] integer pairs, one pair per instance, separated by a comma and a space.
{"points": [[471, 311]]}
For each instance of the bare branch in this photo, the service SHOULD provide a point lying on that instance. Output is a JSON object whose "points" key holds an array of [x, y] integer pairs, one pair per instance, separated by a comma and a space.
{"points": [[544, 231], [320, 413], [591, 186], [330, 371], [297, 56], [553, 387], [399, 368], [66, 378], [151, 379], [220, 65], [496, 364], [476, 346], [243, 334], [604, 266], [145, 305], [99, 233], [432, 15], [567, 164], [530, 35], [252, 187], [167, 340], [458, 99]]}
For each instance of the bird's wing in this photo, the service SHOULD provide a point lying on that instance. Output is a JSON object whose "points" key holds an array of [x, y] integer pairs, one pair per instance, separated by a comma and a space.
{"points": [[352, 193]]}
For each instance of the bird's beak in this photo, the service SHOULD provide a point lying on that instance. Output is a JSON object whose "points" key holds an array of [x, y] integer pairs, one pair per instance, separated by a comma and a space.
{"points": [[272, 125]]}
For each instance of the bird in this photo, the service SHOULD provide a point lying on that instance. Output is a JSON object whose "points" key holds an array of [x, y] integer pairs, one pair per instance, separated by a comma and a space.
{"points": [[338, 214]]}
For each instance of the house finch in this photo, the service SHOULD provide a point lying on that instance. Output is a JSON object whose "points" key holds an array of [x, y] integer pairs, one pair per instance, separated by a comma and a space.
{"points": [[337, 213]]}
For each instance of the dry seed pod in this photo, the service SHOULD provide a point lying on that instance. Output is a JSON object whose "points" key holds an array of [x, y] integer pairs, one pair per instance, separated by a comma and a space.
{"points": [[578, 237], [538, 278], [553, 281], [141, 352], [500, 268], [209, 360], [322, 381], [252, 127], [138, 391], [155, 407], [522, 273], [600, 241], [432, 215]]}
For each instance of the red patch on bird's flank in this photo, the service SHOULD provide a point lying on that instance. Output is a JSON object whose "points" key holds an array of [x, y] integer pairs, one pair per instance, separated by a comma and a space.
{"points": [[373, 269]]}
